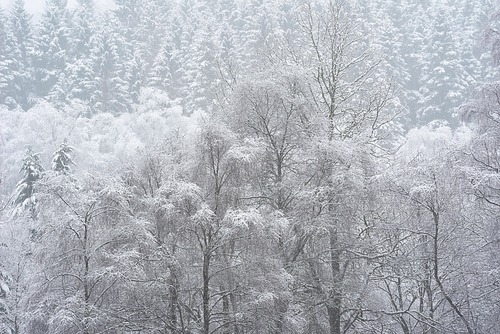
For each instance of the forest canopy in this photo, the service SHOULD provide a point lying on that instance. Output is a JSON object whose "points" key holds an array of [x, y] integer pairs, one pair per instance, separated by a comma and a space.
{"points": [[268, 166]]}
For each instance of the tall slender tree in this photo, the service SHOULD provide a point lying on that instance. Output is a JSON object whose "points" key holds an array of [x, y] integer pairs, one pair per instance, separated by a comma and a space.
{"points": [[24, 196], [51, 49], [22, 49], [61, 160], [5, 58], [85, 233], [112, 90], [355, 106]]}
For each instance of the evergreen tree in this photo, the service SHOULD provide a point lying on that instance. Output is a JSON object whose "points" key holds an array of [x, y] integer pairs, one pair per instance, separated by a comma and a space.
{"points": [[112, 90], [82, 30], [21, 48], [199, 68], [78, 80], [62, 159], [444, 80], [77, 83], [390, 18], [142, 30], [134, 76], [51, 46], [32, 169], [5, 73], [167, 72]]}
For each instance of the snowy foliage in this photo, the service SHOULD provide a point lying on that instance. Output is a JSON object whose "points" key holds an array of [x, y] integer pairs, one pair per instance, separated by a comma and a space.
{"points": [[62, 159], [249, 167], [24, 195]]}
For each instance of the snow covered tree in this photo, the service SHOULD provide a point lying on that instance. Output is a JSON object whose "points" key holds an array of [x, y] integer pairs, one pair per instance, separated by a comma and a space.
{"points": [[6, 324], [51, 47], [166, 72], [143, 29], [397, 24], [15, 252], [112, 89], [163, 199], [442, 255], [355, 111], [85, 241], [77, 82], [272, 109], [482, 112], [4, 58], [269, 111], [82, 29], [347, 86], [217, 172], [62, 159], [21, 52], [24, 195], [481, 164], [444, 81], [12, 273], [199, 68]]}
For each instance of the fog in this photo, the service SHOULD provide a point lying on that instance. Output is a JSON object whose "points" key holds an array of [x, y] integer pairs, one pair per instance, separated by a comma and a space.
{"points": [[35, 7]]}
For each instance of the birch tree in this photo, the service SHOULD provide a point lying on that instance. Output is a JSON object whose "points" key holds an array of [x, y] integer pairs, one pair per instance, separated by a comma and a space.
{"points": [[356, 108], [83, 238]]}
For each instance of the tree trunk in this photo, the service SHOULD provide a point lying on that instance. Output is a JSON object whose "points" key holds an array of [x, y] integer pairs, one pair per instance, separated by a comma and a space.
{"points": [[438, 279], [226, 329], [430, 299], [334, 316], [86, 283], [206, 292], [282, 308], [402, 321], [334, 305], [173, 286]]}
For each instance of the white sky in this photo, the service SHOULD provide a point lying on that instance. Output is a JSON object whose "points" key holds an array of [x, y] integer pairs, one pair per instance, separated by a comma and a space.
{"points": [[36, 6]]}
